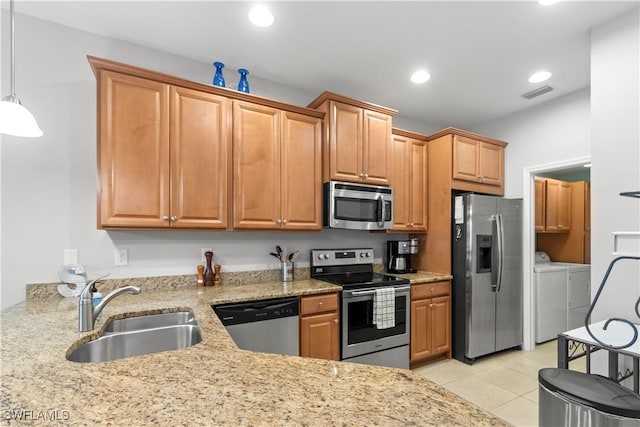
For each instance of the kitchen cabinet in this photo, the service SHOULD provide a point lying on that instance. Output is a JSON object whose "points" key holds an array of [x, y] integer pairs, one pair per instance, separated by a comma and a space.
{"points": [[408, 178], [430, 321], [478, 161], [443, 179], [557, 206], [277, 169], [358, 139], [165, 157], [320, 326], [162, 154], [540, 195]]}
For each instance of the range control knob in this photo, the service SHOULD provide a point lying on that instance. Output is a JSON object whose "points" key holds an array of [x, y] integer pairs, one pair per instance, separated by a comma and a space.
{"points": [[320, 256], [367, 254], [327, 255]]}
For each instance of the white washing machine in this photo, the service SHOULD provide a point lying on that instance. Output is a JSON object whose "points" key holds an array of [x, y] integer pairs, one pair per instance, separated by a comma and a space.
{"points": [[562, 294]]}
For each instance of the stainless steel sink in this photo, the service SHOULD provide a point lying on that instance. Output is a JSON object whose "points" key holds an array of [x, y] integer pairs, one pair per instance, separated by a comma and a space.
{"points": [[136, 336], [150, 321]]}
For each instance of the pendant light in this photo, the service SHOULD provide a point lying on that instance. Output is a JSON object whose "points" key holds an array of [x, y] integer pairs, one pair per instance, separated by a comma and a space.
{"points": [[15, 119]]}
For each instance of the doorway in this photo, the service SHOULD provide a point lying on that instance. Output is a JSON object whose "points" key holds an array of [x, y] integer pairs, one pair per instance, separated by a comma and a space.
{"points": [[561, 168]]}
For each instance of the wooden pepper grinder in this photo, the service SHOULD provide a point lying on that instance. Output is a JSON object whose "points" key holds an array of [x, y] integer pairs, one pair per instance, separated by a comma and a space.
{"points": [[217, 280], [200, 280], [208, 272]]}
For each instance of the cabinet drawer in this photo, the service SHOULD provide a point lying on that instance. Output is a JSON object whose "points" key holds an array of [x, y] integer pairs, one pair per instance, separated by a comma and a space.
{"points": [[318, 303], [428, 290]]}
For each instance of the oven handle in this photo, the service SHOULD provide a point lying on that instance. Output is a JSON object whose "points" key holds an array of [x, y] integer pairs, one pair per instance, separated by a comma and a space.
{"points": [[358, 293]]}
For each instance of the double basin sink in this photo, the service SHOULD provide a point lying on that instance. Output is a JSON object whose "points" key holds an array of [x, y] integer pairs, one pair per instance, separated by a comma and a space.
{"points": [[135, 336]]}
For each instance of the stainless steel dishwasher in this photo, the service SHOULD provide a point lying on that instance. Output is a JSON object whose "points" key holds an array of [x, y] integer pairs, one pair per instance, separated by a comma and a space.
{"points": [[266, 326]]}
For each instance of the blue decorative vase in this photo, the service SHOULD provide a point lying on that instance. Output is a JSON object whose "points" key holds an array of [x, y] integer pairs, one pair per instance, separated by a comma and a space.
{"points": [[218, 78], [243, 84]]}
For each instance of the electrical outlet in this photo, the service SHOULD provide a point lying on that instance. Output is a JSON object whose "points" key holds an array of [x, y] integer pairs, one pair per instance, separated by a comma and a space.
{"points": [[203, 250], [70, 256], [121, 257]]}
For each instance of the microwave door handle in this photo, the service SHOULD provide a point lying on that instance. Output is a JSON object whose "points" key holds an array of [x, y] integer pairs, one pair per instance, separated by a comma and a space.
{"points": [[381, 209]]}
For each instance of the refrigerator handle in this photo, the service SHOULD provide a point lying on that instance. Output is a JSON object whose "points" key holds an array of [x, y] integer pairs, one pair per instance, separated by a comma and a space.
{"points": [[500, 235]]}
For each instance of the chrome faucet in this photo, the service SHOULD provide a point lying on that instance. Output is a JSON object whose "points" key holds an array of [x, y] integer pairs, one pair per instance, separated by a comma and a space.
{"points": [[86, 313]]}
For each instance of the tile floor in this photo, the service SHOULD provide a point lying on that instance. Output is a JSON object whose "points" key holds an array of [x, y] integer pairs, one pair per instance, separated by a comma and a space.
{"points": [[505, 384]]}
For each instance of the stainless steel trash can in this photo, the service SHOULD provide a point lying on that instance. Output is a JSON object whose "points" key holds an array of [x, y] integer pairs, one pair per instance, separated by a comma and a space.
{"points": [[575, 399]]}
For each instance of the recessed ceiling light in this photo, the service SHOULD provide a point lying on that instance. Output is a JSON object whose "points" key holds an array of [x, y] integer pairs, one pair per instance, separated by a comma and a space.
{"points": [[540, 76], [420, 76], [260, 16], [547, 2]]}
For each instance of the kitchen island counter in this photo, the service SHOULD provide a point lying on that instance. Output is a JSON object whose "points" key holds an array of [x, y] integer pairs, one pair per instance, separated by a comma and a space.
{"points": [[211, 383]]}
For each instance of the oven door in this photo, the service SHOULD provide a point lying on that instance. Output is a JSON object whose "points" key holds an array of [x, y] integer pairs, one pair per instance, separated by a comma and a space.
{"points": [[360, 335]]}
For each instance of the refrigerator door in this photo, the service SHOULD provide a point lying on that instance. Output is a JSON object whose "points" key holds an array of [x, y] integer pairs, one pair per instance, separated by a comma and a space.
{"points": [[480, 297], [509, 295]]}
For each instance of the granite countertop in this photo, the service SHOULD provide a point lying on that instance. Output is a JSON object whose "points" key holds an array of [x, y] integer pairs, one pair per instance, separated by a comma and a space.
{"points": [[211, 383], [424, 277]]}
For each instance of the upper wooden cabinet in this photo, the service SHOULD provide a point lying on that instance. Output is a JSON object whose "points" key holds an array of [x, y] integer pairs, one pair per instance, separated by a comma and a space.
{"points": [[553, 205], [164, 155], [358, 139], [276, 163], [408, 178], [478, 161]]}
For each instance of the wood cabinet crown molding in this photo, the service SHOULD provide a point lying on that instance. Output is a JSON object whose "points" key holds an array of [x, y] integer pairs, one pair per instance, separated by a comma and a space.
{"points": [[101, 64], [460, 132], [409, 134], [330, 96]]}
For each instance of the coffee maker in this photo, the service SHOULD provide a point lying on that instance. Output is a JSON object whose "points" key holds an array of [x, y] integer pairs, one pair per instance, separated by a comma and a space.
{"points": [[399, 255]]}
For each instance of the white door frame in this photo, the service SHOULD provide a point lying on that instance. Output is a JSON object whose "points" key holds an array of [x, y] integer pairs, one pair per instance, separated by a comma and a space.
{"points": [[529, 241]]}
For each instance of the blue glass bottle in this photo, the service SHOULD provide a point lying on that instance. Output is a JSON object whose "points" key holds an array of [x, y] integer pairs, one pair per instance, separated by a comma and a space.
{"points": [[218, 78], [243, 84]]}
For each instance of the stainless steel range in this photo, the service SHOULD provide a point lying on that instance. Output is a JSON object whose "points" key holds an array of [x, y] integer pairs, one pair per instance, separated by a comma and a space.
{"points": [[374, 310]]}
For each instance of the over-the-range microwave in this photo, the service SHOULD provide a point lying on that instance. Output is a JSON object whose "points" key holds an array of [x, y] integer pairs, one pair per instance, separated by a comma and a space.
{"points": [[357, 206]]}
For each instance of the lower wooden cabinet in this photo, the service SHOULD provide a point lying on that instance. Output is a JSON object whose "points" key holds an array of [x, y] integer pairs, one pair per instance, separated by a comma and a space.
{"points": [[430, 321], [320, 326]]}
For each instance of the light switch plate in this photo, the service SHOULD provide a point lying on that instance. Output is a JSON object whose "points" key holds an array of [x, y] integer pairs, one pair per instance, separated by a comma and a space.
{"points": [[70, 256]]}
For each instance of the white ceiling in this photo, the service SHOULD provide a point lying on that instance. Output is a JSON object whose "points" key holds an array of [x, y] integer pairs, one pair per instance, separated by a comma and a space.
{"points": [[480, 54]]}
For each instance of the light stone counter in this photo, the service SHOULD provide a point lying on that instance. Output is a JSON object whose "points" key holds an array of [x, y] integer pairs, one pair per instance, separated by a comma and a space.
{"points": [[424, 277], [212, 383]]}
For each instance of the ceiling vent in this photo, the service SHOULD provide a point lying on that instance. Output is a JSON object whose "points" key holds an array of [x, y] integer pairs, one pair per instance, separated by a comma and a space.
{"points": [[537, 92]]}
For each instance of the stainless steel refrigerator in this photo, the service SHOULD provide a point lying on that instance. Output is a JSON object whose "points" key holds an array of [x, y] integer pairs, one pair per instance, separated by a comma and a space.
{"points": [[487, 275]]}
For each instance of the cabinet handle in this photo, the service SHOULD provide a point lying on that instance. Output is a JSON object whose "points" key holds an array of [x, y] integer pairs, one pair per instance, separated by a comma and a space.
{"points": [[321, 303], [361, 175], [284, 221], [278, 221], [335, 321], [174, 218], [165, 218], [366, 175]]}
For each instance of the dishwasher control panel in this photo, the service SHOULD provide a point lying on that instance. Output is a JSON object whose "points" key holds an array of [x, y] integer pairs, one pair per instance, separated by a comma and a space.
{"points": [[256, 311]]}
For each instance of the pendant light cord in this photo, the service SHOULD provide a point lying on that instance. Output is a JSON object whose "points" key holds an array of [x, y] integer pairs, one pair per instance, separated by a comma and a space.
{"points": [[13, 51]]}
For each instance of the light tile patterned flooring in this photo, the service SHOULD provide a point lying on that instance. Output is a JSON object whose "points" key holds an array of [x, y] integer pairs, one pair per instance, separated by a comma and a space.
{"points": [[505, 384]]}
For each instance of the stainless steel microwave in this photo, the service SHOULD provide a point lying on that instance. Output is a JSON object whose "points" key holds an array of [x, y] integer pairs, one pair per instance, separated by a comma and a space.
{"points": [[357, 206]]}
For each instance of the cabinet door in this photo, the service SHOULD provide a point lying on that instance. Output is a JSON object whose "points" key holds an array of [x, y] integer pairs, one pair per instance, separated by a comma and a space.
{"points": [[466, 152], [421, 330], [133, 152], [587, 206], [400, 181], [301, 172], [540, 204], [441, 324], [319, 336], [345, 142], [200, 135], [375, 147], [256, 166], [552, 195], [564, 207], [418, 185], [491, 164]]}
